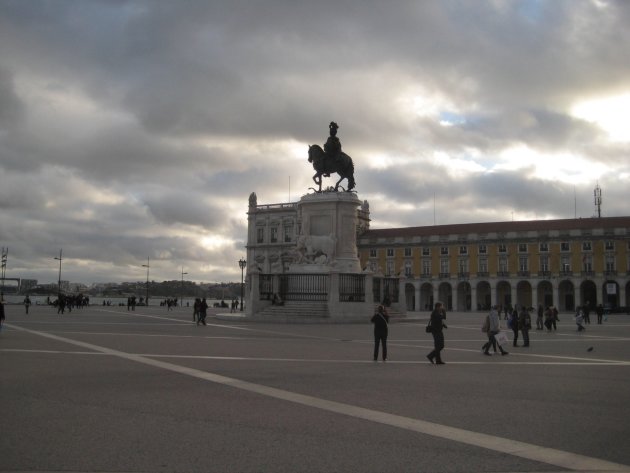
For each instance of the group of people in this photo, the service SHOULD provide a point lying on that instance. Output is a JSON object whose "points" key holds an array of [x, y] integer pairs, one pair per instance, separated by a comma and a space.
{"points": [[200, 311], [437, 323]]}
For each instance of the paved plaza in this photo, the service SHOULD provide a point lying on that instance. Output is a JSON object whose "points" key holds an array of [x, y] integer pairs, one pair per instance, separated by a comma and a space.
{"points": [[107, 390]]}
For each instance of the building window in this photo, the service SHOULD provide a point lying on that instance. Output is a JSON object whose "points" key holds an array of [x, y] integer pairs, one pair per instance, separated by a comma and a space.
{"points": [[586, 246], [444, 265], [426, 267], [288, 233], [426, 251], [522, 247], [373, 266], [523, 263], [389, 268], [503, 264], [444, 250], [587, 263], [564, 246], [610, 263], [390, 252], [372, 252], [408, 252], [462, 265], [463, 250], [543, 247], [565, 264], [274, 235], [408, 269], [544, 263], [260, 235], [502, 248], [483, 265], [483, 249], [609, 245]]}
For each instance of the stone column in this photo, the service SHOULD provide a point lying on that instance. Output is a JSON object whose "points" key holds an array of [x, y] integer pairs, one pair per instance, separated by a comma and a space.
{"points": [[417, 292], [473, 298]]}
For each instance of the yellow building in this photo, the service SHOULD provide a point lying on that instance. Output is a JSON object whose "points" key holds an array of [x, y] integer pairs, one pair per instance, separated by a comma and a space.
{"points": [[563, 263]]}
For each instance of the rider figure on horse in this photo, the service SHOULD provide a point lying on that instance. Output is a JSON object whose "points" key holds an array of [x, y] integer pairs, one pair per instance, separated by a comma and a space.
{"points": [[332, 148]]}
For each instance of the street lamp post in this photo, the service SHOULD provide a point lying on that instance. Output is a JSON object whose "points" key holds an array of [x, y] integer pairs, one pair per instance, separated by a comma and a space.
{"points": [[5, 256], [59, 280], [182, 297], [147, 266], [242, 263]]}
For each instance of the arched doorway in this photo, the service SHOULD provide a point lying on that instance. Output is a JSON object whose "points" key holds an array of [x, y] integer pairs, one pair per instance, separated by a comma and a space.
{"points": [[410, 296], [445, 294], [426, 297], [463, 296], [524, 294], [484, 296], [588, 293], [545, 294], [610, 292], [566, 296], [504, 294]]}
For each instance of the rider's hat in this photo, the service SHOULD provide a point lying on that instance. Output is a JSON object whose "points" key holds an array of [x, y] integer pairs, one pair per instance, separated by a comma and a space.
{"points": [[333, 125]]}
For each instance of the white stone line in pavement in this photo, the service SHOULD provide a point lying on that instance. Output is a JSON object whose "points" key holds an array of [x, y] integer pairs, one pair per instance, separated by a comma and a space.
{"points": [[322, 360], [525, 450]]}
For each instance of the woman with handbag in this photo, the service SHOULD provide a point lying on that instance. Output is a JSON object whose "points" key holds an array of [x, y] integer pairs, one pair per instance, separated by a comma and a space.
{"points": [[436, 325], [493, 329]]}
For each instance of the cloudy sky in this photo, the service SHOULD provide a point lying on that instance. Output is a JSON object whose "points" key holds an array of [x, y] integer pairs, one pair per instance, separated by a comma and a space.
{"points": [[136, 129]]}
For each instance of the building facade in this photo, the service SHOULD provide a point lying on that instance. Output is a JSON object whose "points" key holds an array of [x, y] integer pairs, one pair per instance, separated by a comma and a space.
{"points": [[564, 263]]}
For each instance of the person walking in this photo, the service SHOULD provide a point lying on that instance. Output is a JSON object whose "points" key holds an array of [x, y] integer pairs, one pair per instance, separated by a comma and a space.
{"points": [[539, 317], [587, 313], [380, 319], [203, 311], [524, 324], [493, 329], [579, 319], [599, 310], [27, 303], [513, 323], [437, 325], [196, 306]]}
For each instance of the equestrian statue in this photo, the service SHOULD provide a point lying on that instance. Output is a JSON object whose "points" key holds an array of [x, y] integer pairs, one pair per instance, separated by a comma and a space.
{"points": [[331, 160]]}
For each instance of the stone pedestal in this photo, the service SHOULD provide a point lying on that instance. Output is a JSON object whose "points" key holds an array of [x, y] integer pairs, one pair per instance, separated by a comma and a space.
{"points": [[329, 222]]}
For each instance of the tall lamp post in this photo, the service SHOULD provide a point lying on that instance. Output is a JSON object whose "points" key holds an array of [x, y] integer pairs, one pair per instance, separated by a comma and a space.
{"points": [[5, 256], [147, 266], [59, 280], [242, 263], [182, 298]]}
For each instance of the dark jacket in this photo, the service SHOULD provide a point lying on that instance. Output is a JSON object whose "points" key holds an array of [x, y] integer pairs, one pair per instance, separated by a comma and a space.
{"points": [[380, 320], [437, 321]]}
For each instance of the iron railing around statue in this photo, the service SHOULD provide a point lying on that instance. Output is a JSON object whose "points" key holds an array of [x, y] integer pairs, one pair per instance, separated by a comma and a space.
{"points": [[304, 287], [386, 290], [352, 288], [265, 286]]}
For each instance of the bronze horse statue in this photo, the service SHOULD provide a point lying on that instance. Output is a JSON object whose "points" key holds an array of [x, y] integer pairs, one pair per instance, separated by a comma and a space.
{"points": [[325, 166]]}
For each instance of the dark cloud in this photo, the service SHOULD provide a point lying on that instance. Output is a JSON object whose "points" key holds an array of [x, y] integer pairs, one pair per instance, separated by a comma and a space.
{"points": [[137, 129]]}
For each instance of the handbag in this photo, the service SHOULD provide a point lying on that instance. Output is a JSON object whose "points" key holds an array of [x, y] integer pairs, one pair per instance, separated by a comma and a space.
{"points": [[501, 338], [429, 328]]}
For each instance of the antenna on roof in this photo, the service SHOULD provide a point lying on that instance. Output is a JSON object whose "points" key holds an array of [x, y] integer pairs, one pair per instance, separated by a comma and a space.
{"points": [[598, 200]]}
